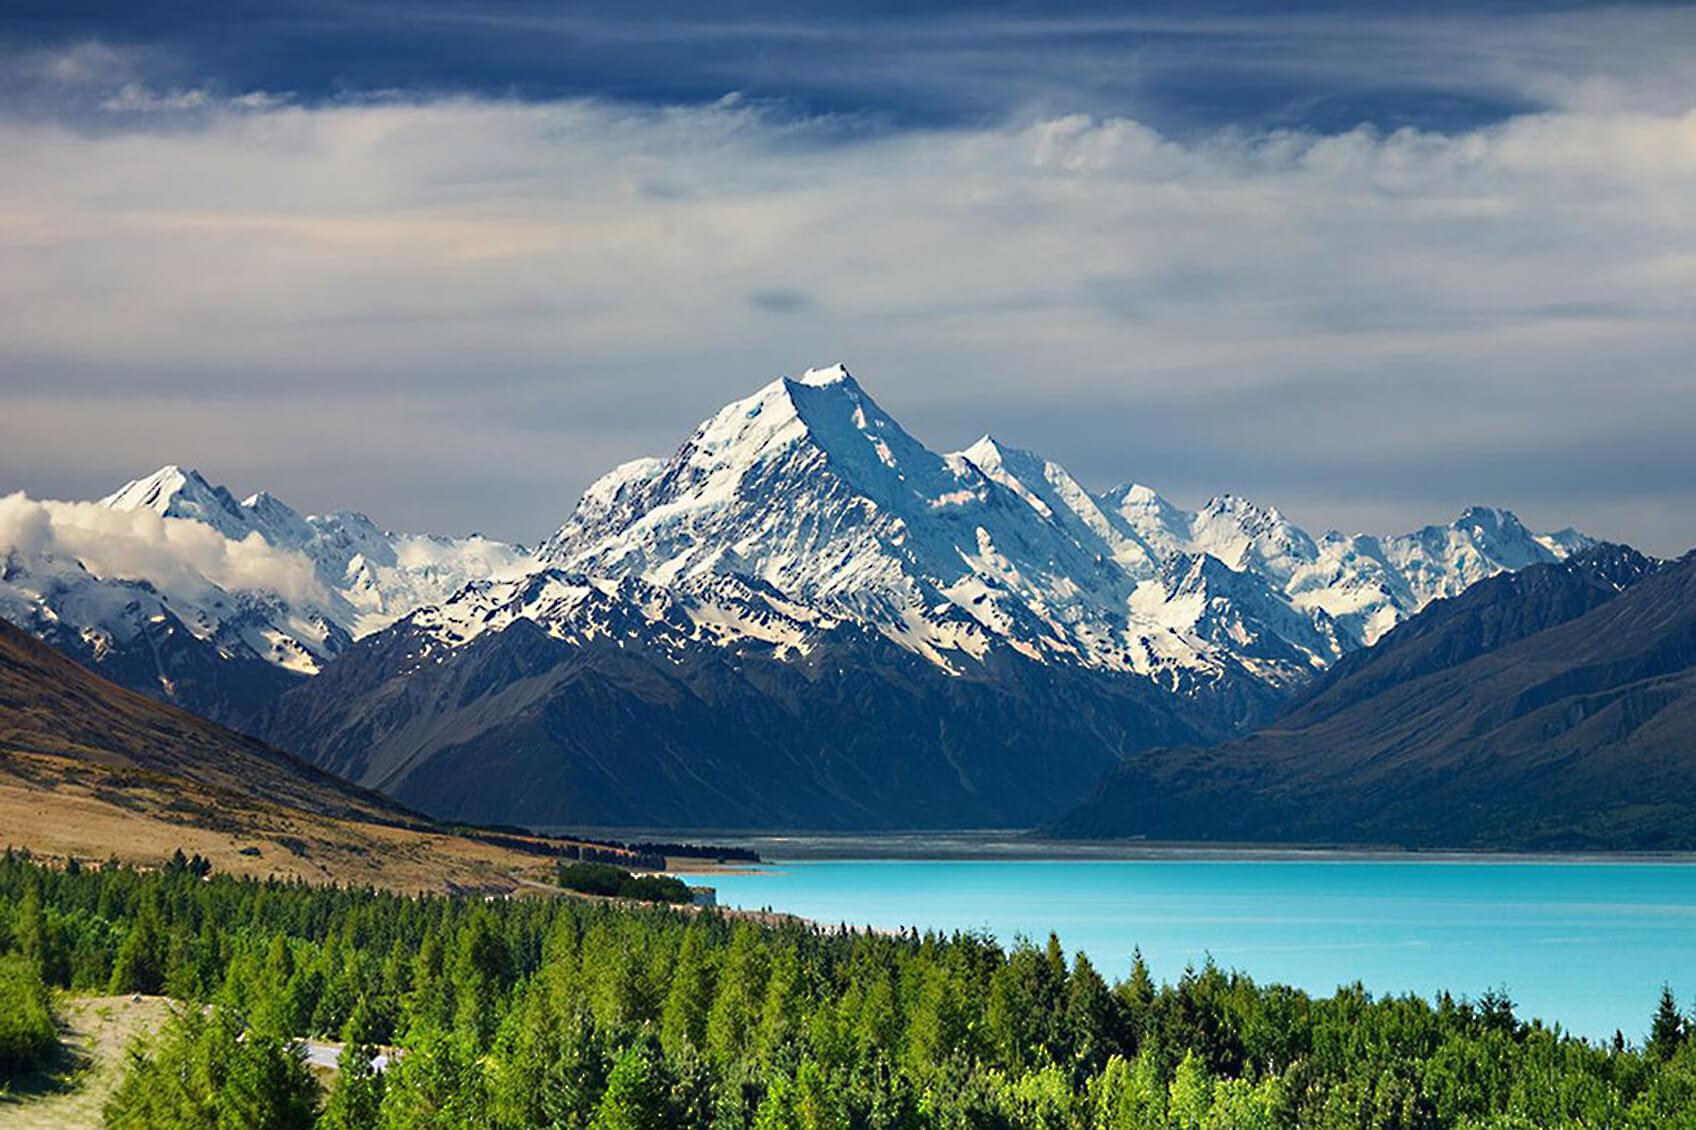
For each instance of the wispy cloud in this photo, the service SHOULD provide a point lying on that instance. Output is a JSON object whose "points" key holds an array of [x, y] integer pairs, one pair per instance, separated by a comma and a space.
{"points": [[135, 97]]}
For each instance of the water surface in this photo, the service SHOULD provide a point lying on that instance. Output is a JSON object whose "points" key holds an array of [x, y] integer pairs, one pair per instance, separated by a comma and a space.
{"points": [[1583, 943]]}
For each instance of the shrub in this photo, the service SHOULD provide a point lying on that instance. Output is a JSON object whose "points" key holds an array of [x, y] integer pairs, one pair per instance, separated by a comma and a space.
{"points": [[27, 1029]]}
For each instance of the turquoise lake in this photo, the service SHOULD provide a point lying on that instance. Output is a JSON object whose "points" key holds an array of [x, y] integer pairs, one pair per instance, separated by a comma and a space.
{"points": [[1580, 943]]}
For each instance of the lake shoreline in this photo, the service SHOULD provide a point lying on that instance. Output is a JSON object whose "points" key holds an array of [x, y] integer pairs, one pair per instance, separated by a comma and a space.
{"points": [[1019, 845]]}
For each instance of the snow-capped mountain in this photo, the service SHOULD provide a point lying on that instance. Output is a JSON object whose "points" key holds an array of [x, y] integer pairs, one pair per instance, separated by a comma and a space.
{"points": [[813, 489], [372, 576], [171, 586], [803, 616]]}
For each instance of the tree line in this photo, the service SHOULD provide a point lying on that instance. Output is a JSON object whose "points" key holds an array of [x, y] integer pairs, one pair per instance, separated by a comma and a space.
{"points": [[615, 882], [557, 1012]]}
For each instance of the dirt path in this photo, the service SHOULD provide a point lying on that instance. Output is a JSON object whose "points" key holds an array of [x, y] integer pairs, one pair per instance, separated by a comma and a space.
{"points": [[70, 1093]]}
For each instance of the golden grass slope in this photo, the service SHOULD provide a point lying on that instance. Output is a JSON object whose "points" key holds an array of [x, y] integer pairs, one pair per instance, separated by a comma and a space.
{"points": [[90, 770]]}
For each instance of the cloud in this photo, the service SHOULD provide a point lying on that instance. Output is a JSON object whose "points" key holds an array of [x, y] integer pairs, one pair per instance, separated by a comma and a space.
{"points": [[135, 97], [174, 554], [455, 311], [1182, 68], [780, 300], [85, 63]]}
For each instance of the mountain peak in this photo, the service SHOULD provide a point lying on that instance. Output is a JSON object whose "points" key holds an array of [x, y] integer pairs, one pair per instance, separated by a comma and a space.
{"points": [[989, 453], [181, 492], [155, 491], [1236, 504], [1135, 493], [835, 374], [1488, 517]]}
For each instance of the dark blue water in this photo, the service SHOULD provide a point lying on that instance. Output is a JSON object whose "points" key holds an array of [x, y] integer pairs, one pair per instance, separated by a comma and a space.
{"points": [[1583, 944]]}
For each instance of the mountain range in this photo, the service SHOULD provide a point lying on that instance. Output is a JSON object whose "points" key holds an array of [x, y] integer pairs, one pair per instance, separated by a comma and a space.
{"points": [[803, 616], [172, 587], [1551, 708]]}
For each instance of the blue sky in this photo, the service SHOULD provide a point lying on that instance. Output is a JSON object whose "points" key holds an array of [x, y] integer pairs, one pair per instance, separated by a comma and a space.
{"points": [[445, 262]]}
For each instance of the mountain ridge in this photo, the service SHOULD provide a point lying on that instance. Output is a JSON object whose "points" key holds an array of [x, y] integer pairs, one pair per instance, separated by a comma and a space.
{"points": [[890, 523], [173, 588], [1550, 708]]}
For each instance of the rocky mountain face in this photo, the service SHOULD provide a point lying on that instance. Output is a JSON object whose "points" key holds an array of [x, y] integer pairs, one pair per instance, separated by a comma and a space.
{"points": [[623, 719], [1550, 708], [806, 617]]}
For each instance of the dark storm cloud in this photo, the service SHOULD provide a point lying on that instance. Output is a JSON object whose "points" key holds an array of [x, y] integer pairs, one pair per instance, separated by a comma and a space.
{"points": [[1178, 67]]}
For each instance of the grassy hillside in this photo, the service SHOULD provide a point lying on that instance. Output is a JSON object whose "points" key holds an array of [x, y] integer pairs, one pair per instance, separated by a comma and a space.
{"points": [[90, 770]]}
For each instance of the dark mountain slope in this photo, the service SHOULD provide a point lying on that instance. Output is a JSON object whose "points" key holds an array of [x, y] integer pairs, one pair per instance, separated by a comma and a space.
{"points": [[520, 726], [1491, 614], [90, 769], [1577, 734], [50, 705]]}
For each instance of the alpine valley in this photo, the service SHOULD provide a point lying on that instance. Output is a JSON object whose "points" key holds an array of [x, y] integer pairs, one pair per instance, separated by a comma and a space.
{"points": [[803, 618]]}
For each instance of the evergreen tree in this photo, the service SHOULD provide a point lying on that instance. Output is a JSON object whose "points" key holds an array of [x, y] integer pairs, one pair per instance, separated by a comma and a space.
{"points": [[1088, 1021], [818, 1105], [783, 1010], [437, 1085], [1135, 995], [1668, 1030], [431, 994], [1191, 1094], [936, 1026], [777, 1109], [683, 1021], [482, 973], [356, 1101], [1023, 994], [636, 1093], [140, 964], [29, 926], [204, 1072], [741, 987], [879, 1027], [1130, 1095]]}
